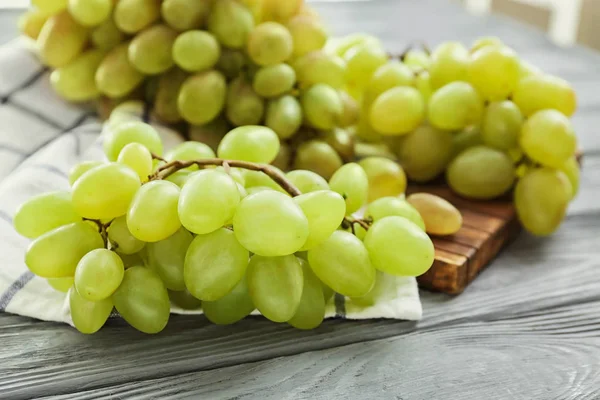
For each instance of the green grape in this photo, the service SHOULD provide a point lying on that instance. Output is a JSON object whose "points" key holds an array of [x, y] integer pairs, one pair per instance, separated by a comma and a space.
{"points": [[55, 254], [274, 80], [439, 215], [131, 132], [208, 201], [342, 263], [184, 300], [231, 22], [382, 149], [116, 76], [105, 192], [78, 170], [284, 116], [540, 92], [150, 52], [233, 307], [215, 263], [324, 211], [61, 284], [167, 258], [210, 134], [90, 12], [386, 177], [196, 51], [276, 10], [481, 173], [571, 169], [44, 213], [322, 106], [455, 106], [541, 200], [152, 215], [184, 15], [350, 110], [386, 77], [362, 61], [320, 67], [417, 60], [189, 151], [384, 283], [99, 274], [311, 310], [88, 316], [30, 23], [131, 16], [466, 138], [275, 286], [317, 156], [307, 181], [270, 43], [547, 137], [76, 81], [107, 35], [328, 292], [501, 125], [394, 206], [308, 34], [352, 183], [142, 300], [423, 85], [257, 144], [61, 40], [494, 72], [50, 7], [486, 41], [202, 97], [231, 63], [449, 63], [180, 177], [137, 157], [425, 153], [243, 106], [284, 157], [254, 179], [527, 69], [340, 46], [122, 239], [386, 119], [165, 101], [270, 224], [341, 141], [397, 246], [364, 130]]}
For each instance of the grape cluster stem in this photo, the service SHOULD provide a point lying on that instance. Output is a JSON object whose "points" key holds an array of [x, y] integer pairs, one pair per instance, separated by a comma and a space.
{"points": [[102, 229]]}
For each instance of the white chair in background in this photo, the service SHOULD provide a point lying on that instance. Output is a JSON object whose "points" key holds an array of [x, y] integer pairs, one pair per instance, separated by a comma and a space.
{"points": [[564, 20]]}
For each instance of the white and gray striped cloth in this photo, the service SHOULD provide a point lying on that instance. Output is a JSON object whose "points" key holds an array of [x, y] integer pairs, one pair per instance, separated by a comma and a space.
{"points": [[41, 138]]}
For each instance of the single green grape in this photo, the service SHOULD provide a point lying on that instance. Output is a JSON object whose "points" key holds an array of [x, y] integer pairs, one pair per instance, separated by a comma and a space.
{"points": [[342, 141], [167, 258], [455, 106], [50, 7], [189, 151], [308, 34], [417, 60], [439, 215], [386, 77], [137, 157], [466, 138], [322, 106], [185, 15], [128, 111], [449, 63], [425, 153], [257, 144], [342, 263], [107, 35], [122, 239], [134, 260], [76, 81], [202, 97], [231, 63], [541, 92], [350, 110], [486, 41], [362, 61], [88, 316], [184, 300], [307, 181], [423, 85], [244, 106], [215, 263], [196, 51], [61, 40], [150, 52], [494, 72], [325, 211], [231, 308], [90, 12], [319, 67], [121, 135], [132, 16], [311, 310], [364, 130], [317, 156], [351, 182], [44, 213], [340, 46], [275, 10], [386, 120], [383, 283], [56, 253], [284, 116], [61, 284], [30, 23], [165, 100], [231, 22], [571, 169], [116, 77], [270, 43], [397, 246], [270, 224], [142, 300], [274, 80], [501, 125], [386, 177], [394, 206], [284, 157], [527, 69], [466, 176], [99, 274]]}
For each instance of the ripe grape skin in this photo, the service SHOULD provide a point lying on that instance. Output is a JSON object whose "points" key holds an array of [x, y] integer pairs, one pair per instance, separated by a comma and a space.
{"points": [[319, 157], [494, 72], [350, 110], [449, 63], [270, 43], [399, 247], [55, 254], [384, 116], [307, 181], [486, 41], [257, 144], [386, 77], [121, 237], [270, 224], [131, 132], [189, 151], [167, 258], [137, 157], [231, 63], [184, 300], [90, 12], [308, 34], [275, 286], [352, 183], [423, 85], [243, 105], [142, 300], [466, 176], [571, 169], [548, 137], [527, 69], [254, 179], [231, 22], [325, 211], [202, 97], [30, 23], [107, 35], [543, 91], [386, 177], [455, 106], [362, 61], [105, 192], [99, 274], [390, 206], [215, 263], [311, 310], [150, 52], [274, 80], [231, 308], [184, 15], [61, 284], [88, 316], [50, 7], [61, 40], [165, 101], [440, 216], [341, 141], [320, 67], [131, 16], [116, 76], [322, 106], [342, 263], [76, 81], [44, 213], [208, 201], [196, 51], [501, 125], [284, 116], [541, 199], [466, 138]]}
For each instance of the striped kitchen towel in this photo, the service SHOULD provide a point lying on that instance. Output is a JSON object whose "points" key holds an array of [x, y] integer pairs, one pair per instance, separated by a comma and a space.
{"points": [[41, 138]]}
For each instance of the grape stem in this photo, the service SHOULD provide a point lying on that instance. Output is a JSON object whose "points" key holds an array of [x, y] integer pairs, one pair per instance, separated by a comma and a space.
{"points": [[102, 229]]}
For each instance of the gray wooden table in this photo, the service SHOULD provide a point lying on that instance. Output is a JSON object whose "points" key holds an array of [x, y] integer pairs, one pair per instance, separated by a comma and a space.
{"points": [[528, 328]]}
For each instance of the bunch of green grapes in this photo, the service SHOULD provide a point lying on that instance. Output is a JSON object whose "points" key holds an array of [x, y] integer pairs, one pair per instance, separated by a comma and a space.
{"points": [[225, 232]]}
